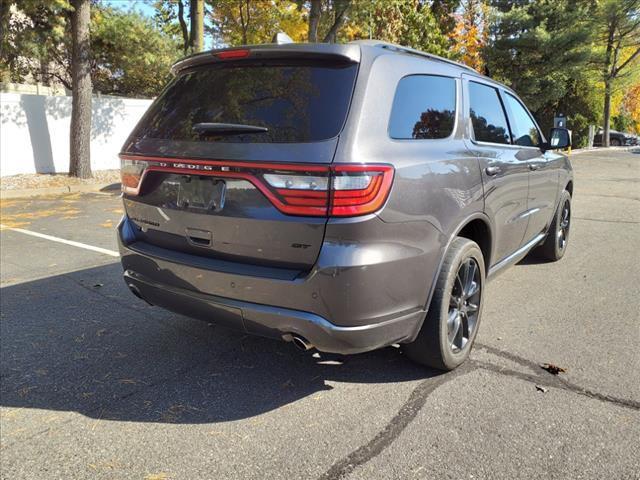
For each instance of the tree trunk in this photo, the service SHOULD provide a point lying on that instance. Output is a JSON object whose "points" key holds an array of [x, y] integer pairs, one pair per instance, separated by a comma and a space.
{"points": [[314, 20], [607, 113], [606, 74], [186, 42], [244, 23], [197, 25], [80, 132], [340, 9]]}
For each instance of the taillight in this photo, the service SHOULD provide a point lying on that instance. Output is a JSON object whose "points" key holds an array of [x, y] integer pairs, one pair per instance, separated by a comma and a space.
{"points": [[340, 190], [131, 174], [348, 190], [359, 189], [301, 194]]}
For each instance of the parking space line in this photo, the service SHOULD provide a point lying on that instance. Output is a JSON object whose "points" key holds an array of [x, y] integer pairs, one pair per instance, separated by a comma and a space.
{"points": [[104, 251]]}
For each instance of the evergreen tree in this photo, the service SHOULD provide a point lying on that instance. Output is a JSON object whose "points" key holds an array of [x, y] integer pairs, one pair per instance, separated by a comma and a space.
{"points": [[542, 49]]}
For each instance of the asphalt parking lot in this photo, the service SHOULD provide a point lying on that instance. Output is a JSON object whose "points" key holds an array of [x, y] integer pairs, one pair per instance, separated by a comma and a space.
{"points": [[98, 385]]}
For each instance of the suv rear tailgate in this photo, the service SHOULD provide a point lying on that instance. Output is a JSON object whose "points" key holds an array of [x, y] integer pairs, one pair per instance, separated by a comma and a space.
{"points": [[207, 194]]}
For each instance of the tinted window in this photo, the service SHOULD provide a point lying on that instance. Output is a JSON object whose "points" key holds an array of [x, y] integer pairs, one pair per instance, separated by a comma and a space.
{"points": [[297, 103], [424, 107], [487, 114], [524, 130]]}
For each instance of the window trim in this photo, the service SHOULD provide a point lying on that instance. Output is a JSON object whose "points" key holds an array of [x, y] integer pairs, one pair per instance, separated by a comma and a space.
{"points": [[533, 120], [498, 91], [456, 111]]}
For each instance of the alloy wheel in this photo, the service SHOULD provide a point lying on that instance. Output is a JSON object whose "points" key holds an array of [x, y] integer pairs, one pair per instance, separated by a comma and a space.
{"points": [[563, 226], [464, 304]]}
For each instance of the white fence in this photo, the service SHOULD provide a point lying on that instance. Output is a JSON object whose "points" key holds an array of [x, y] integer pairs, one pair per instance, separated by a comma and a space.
{"points": [[34, 131]]}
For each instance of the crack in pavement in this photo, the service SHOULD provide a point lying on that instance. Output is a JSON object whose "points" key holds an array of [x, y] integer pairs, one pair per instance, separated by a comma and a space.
{"points": [[395, 426], [606, 221], [418, 398], [546, 379], [556, 382]]}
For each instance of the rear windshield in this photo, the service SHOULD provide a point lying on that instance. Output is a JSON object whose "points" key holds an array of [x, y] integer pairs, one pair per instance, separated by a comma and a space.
{"points": [[295, 102]]}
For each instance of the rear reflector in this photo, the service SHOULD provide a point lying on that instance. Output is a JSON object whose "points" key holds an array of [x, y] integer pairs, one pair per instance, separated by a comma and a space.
{"points": [[339, 190]]}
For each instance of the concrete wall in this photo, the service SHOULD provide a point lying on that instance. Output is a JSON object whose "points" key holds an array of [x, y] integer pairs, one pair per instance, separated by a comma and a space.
{"points": [[34, 131]]}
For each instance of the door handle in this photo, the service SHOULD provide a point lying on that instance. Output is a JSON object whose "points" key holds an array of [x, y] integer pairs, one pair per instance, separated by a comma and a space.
{"points": [[491, 171], [534, 166]]}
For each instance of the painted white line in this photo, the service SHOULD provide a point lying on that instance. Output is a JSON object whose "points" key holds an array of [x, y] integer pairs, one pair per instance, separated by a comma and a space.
{"points": [[62, 240]]}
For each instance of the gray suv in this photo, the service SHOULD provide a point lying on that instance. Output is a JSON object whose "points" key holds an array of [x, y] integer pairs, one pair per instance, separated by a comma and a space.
{"points": [[340, 197]]}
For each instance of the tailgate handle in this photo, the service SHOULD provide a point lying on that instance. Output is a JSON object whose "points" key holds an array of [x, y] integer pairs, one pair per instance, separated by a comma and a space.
{"points": [[199, 238]]}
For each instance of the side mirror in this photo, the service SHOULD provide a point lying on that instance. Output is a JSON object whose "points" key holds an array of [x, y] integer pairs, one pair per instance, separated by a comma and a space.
{"points": [[559, 138]]}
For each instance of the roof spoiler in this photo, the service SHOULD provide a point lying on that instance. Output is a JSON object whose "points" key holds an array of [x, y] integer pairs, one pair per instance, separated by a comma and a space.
{"points": [[305, 51]]}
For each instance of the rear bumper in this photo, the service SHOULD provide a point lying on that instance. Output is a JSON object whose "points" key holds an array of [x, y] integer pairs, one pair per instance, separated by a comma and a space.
{"points": [[273, 322], [277, 308]]}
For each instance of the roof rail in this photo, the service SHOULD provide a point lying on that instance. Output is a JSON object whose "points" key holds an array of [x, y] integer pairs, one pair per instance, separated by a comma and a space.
{"points": [[413, 51]]}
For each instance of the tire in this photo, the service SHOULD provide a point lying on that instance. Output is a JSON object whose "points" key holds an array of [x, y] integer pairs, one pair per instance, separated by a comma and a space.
{"points": [[433, 346], [555, 245], [614, 142]]}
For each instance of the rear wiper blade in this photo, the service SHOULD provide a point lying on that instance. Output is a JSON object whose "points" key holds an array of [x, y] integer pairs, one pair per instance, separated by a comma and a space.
{"points": [[226, 129]]}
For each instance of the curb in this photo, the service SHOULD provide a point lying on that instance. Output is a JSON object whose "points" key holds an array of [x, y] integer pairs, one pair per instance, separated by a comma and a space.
{"points": [[108, 188]]}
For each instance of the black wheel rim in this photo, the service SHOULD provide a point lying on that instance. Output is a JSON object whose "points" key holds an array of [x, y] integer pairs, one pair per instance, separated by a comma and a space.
{"points": [[563, 226], [464, 304]]}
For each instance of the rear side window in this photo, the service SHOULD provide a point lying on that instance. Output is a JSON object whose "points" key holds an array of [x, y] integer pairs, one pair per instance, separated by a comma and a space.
{"points": [[487, 115], [525, 132], [424, 107], [295, 102]]}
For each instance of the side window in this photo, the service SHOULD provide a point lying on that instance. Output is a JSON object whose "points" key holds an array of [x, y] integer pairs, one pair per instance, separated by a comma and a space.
{"points": [[424, 107], [487, 115], [524, 130]]}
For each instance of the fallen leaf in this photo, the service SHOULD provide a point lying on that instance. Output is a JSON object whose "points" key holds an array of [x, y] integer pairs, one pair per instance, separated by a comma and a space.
{"points": [[552, 369]]}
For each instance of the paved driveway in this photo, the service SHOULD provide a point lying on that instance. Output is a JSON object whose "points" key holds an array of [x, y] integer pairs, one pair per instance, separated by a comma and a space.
{"points": [[96, 384]]}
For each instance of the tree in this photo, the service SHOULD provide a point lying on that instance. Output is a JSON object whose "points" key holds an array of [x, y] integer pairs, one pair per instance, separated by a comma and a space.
{"points": [[330, 14], [80, 130], [542, 49], [619, 28], [31, 34], [171, 17], [196, 37], [445, 13], [410, 23], [245, 22], [631, 107], [471, 33], [130, 55]]}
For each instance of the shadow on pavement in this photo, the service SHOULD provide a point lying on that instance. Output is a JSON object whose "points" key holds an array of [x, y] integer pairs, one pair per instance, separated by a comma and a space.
{"points": [[81, 342]]}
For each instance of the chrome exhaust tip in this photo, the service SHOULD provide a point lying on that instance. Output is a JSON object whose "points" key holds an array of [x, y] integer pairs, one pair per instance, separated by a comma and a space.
{"points": [[299, 342]]}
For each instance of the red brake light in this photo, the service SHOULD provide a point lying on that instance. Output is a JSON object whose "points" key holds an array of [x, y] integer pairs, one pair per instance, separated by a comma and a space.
{"points": [[232, 54], [341, 190], [359, 189]]}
